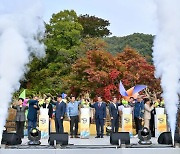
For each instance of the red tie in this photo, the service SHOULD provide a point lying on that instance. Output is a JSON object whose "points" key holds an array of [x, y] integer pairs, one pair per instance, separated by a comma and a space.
{"points": [[99, 105]]}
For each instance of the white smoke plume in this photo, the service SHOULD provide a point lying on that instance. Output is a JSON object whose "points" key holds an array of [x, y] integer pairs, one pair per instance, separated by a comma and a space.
{"points": [[21, 28], [166, 55]]}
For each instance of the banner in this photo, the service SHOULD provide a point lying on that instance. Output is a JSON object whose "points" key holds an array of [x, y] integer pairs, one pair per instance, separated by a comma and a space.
{"points": [[127, 123], [85, 123], [44, 123], [161, 123]]}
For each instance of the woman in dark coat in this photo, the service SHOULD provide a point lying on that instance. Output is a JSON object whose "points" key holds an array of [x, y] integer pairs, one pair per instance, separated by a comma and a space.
{"points": [[20, 117]]}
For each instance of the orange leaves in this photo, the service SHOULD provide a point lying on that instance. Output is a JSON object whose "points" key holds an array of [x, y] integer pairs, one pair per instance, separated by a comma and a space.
{"points": [[114, 74], [103, 71]]}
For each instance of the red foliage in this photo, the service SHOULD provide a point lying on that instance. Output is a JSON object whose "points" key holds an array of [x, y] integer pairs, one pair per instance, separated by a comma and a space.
{"points": [[114, 74], [100, 72]]}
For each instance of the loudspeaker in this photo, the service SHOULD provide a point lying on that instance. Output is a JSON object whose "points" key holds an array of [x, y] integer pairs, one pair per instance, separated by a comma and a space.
{"points": [[177, 138], [59, 138], [166, 138], [122, 136], [11, 139]]}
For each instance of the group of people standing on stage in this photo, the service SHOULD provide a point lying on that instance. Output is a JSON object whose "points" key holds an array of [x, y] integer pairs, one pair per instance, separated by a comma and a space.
{"points": [[141, 109], [20, 119]]}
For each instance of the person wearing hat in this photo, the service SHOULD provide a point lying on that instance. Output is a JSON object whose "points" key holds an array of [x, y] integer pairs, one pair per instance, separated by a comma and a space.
{"points": [[59, 115]]}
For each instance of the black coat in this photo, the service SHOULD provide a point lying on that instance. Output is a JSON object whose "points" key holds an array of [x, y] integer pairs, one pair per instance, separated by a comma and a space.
{"points": [[100, 112], [32, 112], [60, 109], [113, 111]]}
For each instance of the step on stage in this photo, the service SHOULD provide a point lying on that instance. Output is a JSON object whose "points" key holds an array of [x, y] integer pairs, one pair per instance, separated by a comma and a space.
{"points": [[90, 146]]}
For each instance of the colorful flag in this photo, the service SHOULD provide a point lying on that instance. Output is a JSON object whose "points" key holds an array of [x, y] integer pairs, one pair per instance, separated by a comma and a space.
{"points": [[23, 94], [132, 92]]}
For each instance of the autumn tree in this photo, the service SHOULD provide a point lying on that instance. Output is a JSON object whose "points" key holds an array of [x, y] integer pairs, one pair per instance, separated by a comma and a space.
{"points": [[100, 72], [96, 73], [137, 70], [92, 44]]}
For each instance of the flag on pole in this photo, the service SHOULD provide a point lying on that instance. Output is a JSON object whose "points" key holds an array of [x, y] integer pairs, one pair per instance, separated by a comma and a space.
{"points": [[23, 94]]}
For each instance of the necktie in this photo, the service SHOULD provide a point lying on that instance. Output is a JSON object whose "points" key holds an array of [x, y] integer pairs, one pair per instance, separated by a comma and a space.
{"points": [[115, 105], [99, 105]]}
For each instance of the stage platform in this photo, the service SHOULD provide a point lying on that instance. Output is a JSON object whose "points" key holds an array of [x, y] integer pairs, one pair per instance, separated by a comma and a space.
{"points": [[90, 146]]}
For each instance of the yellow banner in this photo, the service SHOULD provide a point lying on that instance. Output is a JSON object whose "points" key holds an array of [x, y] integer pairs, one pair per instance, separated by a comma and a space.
{"points": [[161, 123], [127, 123], [44, 125], [85, 122]]}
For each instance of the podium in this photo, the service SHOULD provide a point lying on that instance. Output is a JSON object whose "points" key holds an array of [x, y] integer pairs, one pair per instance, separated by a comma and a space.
{"points": [[127, 120], [160, 122], [85, 122], [44, 122]]}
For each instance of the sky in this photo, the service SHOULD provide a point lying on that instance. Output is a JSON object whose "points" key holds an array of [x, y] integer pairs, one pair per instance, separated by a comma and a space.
{"points": [[125, 16]]}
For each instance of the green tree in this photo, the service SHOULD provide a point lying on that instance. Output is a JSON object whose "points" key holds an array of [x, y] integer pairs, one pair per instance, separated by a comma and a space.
{"points": [[63, 31], [63, 35], [141, 42], [94, 26]]}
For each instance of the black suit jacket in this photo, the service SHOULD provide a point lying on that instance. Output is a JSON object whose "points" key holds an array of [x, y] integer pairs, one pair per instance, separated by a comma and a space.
{"points": [[60, 109], [100, 112], [32, 111], [113, 110]]}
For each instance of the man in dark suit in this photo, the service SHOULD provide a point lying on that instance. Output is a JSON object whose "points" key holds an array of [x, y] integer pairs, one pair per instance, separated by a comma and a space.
{"points": [[32, 113], [138, 113], [59, 116], [100, 116], [114, 114]]}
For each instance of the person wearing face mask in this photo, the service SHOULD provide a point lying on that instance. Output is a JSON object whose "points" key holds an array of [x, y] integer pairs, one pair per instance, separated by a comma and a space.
{"points": [[20, 117]]}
